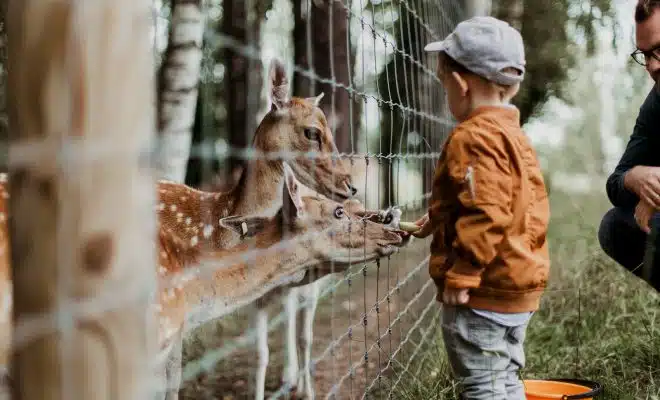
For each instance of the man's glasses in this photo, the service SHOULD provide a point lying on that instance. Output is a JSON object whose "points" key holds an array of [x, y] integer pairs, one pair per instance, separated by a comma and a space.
{"points": [[643, 57]]}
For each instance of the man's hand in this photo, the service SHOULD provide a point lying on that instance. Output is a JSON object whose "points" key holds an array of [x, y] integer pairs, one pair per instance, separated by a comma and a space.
{"points": [[645, 182], [455, 297], [643, 213], [425, 227]]}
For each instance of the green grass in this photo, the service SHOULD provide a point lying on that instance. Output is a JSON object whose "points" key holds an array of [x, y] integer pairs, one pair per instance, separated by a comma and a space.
{"points": [[596, 321]]}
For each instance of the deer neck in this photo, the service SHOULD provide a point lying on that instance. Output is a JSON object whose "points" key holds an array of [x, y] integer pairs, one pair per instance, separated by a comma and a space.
{"points": [[244, 282], [259, 189], [189, 219]]}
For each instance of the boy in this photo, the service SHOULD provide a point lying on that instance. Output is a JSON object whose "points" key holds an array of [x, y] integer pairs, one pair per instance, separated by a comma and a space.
{"points": [[488, 213]]}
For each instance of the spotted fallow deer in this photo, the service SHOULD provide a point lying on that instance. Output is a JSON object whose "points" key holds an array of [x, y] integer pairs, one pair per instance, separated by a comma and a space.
{"points": [[293, 125], [296, 126], [199, 281], [307, 230]]}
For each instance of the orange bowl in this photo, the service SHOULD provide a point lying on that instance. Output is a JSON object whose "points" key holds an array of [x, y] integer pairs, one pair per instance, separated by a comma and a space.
{"points": [[549, 389]]}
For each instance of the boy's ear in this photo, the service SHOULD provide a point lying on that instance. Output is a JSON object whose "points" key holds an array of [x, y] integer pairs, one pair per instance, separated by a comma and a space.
{"points": [[512, 91], [461, 82]]}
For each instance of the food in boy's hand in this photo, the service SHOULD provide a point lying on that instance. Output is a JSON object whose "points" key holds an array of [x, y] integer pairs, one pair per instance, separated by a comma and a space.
{"points": [[409, 227]]}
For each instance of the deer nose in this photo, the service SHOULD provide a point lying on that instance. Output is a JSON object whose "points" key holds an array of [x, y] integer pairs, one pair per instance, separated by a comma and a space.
{"points": [[352, 188]]}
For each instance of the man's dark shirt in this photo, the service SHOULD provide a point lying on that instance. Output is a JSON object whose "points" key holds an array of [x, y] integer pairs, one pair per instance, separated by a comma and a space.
{"points": [[643, 149]]}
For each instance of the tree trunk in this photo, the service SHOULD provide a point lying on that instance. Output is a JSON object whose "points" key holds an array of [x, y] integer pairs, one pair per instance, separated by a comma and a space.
{"points": [[82, 229], [3, 80], [331, 57], [243, 75], [477, 8], [178, 84], [510, 11]]}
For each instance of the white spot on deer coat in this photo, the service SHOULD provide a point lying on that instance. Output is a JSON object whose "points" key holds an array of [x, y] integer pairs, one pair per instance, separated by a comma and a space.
{"points": [[208, 230]]}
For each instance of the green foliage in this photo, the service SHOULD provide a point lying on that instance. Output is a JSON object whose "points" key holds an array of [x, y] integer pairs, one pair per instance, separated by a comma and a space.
{"points": [[548, 54], [550, 50]]}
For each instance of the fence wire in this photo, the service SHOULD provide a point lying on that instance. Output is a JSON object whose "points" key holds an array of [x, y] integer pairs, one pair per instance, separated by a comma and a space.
{"points": [[368, 315]]}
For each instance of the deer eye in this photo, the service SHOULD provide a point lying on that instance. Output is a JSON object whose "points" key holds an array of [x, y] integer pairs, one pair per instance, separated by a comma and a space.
{"points": [[339, 213], [313, 134]]}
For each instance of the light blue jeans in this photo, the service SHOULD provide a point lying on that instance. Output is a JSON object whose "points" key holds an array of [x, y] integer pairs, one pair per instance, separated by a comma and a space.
{"points": [[484, 355]]}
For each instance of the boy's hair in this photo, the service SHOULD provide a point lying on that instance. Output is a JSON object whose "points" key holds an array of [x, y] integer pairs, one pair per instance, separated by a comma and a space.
{"points": [[448, 64], [645, 8]]}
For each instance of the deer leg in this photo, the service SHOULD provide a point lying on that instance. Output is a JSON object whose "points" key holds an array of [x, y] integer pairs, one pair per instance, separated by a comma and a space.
{"points": [[311, 302], [173, 369], [291, 367], [161, 381], [262, 345]]}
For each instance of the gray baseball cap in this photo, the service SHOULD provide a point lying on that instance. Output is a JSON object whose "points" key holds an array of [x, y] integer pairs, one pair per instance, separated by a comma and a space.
{"points": [[485, 46]]}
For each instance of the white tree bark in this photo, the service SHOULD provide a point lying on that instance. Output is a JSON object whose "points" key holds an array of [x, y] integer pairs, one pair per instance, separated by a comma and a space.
{"points": [[510, 11], [178, 87], [478, 8], [82, 225]]}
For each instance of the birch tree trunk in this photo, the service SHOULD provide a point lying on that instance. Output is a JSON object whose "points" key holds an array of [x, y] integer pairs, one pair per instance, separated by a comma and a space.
{"points": [[510, 11], [477, 8], [178, 84], [82, 229]]}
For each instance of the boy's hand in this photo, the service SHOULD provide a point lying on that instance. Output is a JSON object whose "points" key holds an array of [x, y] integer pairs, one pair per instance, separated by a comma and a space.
{"points": [[455, 297], [643, 213], [425, 227]]}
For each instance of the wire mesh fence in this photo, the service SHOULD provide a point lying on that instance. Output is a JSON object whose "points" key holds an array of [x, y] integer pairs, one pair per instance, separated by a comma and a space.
{"points": [[348, 321], [385, 108]]}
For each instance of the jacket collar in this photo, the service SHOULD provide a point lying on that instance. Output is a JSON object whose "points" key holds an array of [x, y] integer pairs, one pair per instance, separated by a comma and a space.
{"points": [[506, 111]]}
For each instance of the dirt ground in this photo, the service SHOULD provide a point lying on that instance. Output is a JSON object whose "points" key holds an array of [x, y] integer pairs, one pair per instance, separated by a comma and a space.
{"points": [[339, 320]]}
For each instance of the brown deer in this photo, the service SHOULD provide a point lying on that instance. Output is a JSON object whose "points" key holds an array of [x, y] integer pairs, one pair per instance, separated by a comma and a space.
{"points": [[307, 230], [293, 127], [314, 230]]}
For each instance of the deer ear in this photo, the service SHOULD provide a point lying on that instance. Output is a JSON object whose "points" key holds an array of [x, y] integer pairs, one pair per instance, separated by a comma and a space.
{"points": [[292, 204], [316, 100], [279, 85], [244, 226]]}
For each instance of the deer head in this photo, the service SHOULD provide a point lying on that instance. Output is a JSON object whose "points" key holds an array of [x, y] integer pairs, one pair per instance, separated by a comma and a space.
{"points": [[299, 125], [307, 231], [322, 230]]}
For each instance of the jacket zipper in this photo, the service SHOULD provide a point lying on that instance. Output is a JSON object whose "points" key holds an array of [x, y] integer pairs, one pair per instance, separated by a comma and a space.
{"points": [[469, 178]]}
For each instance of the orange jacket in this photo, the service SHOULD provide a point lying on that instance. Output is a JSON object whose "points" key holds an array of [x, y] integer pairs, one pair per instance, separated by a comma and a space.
{"points": [[489, 211]]}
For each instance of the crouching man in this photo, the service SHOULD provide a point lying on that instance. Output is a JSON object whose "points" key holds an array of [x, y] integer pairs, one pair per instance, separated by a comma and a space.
{"points": [[634, 186]]}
